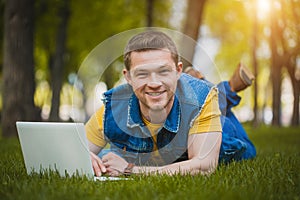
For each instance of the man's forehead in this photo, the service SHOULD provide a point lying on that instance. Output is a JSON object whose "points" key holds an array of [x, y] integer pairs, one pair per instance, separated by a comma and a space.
{"points": [[150, 53], [151, 66]]}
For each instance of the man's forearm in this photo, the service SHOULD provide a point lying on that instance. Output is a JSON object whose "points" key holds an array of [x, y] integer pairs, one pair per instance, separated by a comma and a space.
{"points": [[94, 148], [202, 160], [193, 166]]}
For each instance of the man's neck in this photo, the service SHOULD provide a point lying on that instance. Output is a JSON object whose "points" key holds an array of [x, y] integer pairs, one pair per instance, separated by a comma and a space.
{"points": [[157, 116]]}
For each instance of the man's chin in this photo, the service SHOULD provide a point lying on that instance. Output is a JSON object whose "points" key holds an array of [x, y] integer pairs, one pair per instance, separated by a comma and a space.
{"points": [[157, 108]]}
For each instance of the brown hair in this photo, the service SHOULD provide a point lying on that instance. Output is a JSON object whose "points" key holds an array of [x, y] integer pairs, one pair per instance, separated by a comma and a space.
{"points": [[149, 40]]}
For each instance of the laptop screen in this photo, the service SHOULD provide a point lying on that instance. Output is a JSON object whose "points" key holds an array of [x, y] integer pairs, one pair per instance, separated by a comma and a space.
{"points": [[55, 146]]}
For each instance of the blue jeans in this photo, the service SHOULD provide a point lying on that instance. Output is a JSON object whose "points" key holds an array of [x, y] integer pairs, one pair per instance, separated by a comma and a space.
{"points": [[235, 142]]}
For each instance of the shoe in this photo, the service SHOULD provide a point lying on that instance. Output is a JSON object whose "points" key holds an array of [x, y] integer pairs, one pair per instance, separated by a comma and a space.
{"points": [[241, 78], [193, 72]]}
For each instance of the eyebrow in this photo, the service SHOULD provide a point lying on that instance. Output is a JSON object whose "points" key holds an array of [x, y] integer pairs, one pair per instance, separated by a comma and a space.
{"points": [[159, 67]]}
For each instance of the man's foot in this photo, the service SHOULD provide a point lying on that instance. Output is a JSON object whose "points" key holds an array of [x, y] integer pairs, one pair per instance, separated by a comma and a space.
{"points": [[193, 72], [241, 78]]}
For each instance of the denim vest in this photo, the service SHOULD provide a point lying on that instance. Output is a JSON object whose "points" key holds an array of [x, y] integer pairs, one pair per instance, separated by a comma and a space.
{"points": [[128, 135]]}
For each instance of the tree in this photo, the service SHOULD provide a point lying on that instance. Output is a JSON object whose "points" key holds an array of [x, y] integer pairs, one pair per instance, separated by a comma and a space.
{"points": [[83, 33], [1, 33], [57, 64], [288, 29], [285, 48], [240, 30], [231, 23], [256, 120], [276, 67], [191, 28], [292, 65], [149, 11], [18, 65]]}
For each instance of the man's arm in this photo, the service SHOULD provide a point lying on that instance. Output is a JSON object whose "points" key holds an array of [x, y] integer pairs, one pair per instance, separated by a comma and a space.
{"points": [[96, 141], [94, 148], [97, 163], [203, 151]]}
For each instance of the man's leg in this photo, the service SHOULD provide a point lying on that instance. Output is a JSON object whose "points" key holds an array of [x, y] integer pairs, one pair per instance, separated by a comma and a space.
{"points": [[235, 144], [241, 78], [240, 133]]}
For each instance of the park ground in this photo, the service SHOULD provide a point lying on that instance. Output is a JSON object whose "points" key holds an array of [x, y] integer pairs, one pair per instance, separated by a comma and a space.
{"points": [[273, 174]]}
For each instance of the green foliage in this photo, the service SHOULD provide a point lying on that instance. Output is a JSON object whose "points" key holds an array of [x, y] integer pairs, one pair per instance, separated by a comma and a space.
{"points": [[90, 23], [95, 21], [46, 22], [230, 22], [1, 33], [273, 174]]}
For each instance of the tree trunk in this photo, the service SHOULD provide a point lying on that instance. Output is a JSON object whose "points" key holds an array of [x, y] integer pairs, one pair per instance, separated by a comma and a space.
{"points": [[150, 5], [256, 119], [291, 68], [276, 94], [191, 29], [57, 67], [276, 63], [18, 65], [296, 110]]}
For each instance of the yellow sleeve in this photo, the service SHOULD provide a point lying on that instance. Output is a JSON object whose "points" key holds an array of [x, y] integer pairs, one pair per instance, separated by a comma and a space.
{"points": [[94, 128], [209, 118]]}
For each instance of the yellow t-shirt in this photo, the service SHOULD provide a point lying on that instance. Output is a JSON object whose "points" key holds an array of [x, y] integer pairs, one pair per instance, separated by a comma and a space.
{"points": [[207, 121], [154, 129]]}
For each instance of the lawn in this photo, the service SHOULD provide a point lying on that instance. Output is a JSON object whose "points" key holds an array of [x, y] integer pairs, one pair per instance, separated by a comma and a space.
{"points": [[273, 174]]}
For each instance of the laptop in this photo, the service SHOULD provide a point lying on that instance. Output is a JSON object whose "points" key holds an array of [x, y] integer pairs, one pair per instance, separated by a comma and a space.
{"points": [[56, 146]]}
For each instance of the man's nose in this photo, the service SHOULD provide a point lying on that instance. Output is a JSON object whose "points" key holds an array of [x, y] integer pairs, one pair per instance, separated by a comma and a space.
{"points": [[154, 81]]}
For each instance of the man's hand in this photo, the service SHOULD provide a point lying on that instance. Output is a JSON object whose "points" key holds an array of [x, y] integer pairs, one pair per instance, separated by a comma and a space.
{"points": [[98, 166], [114, 164]]}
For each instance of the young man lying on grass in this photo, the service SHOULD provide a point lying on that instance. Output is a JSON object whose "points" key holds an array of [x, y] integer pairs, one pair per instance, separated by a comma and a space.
{"points": [[161, 121]]}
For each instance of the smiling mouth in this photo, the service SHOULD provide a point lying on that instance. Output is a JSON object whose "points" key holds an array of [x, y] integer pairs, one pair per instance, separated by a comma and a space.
{"points": [[154, 94]]}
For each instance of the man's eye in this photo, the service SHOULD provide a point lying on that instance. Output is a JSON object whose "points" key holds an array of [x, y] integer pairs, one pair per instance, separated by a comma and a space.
{"points": [[164, 71], [141, 75]]}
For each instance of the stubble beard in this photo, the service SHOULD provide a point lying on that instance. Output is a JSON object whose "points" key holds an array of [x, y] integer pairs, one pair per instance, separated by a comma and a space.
{"points": [[157, 113]]}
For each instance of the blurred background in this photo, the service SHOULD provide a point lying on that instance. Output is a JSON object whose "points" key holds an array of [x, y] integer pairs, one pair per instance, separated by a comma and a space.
{"points": [[45, 41]]}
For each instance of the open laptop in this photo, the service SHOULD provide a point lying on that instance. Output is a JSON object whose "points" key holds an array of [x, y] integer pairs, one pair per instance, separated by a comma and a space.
{"points": [[60, 147]]}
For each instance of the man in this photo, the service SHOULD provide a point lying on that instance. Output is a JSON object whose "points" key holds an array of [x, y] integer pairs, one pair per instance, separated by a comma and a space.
{"points": [[235, 142], [161, 121]]}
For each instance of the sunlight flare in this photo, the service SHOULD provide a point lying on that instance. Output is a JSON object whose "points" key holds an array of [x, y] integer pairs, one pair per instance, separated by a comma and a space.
{"points": [[263, 8]]}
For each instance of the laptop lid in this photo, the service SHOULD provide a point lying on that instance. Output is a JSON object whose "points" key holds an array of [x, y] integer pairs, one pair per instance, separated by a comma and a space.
{"points": [[55, 146]]}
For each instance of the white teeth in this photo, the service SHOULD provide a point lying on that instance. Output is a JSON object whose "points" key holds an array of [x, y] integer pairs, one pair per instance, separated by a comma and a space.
{"points": [[154, 93]]}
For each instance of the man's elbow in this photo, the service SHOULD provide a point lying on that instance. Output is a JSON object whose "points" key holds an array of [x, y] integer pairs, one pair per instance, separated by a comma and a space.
{"points": [[206, 167]]}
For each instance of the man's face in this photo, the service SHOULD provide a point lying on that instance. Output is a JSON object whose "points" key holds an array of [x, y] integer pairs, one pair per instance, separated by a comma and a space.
{"points": [[153, 76]]}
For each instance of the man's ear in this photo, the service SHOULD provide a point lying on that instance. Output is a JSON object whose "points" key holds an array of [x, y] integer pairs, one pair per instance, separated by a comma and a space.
{"points": [[127, 76], [179, 69]]}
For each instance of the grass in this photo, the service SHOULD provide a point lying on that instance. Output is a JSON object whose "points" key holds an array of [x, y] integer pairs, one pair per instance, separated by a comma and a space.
{"points": [[273, 174]]}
